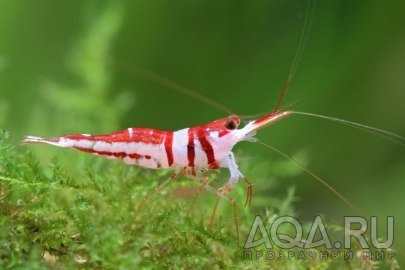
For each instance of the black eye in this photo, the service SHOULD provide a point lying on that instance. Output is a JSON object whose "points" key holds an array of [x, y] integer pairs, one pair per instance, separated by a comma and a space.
{"points": [[231, 124]]}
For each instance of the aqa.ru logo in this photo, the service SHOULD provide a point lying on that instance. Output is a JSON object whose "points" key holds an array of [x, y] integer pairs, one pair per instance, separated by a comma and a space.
{"points": [[353, 227]]}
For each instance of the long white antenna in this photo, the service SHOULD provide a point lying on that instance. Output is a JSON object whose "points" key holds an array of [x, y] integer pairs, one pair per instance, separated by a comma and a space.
{"points": [[398, 139]]}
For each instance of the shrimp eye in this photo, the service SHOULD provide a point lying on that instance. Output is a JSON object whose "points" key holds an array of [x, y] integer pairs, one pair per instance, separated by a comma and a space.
{"points": [[231, 124]]}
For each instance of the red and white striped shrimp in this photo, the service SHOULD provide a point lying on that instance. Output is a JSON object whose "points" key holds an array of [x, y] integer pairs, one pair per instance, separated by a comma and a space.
{"points": [[190, 150]]}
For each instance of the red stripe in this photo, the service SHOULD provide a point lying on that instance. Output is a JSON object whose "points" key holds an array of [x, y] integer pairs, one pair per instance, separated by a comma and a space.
{"points": [[142, 135], [169, 147], [115, 154], [223, 132], [191, 148], [208, 149], [265, 117]]}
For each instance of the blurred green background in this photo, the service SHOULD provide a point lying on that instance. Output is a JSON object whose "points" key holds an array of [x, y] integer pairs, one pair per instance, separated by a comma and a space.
{"points": [[237, 53]]}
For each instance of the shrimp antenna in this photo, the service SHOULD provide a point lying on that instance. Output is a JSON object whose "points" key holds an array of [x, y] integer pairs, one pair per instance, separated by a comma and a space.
{"points": [[170, 84], [251, 117], [306, 29], [315, 176], [373, 130]]}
